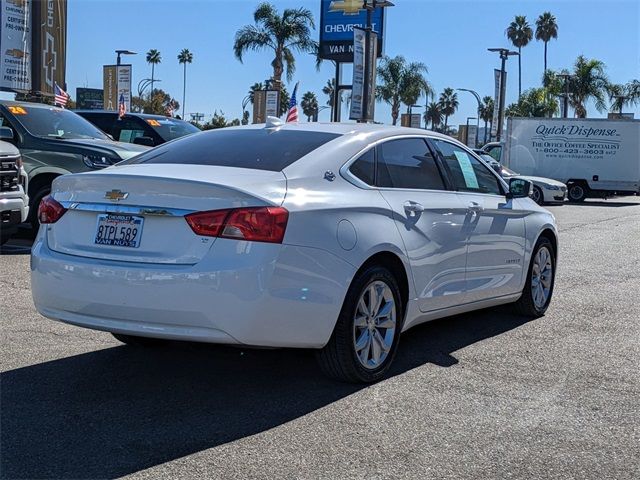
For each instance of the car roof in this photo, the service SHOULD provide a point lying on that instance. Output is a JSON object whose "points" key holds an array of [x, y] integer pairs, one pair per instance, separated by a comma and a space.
{"points": [[130, 114]]}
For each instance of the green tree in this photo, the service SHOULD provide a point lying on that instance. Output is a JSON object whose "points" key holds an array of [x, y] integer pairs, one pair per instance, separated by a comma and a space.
{"points": [[486, 113], [245, 118], [621, 95], [588, 82], [400, 82], [184, 57], [448, 103], [546, 29], [519, 33], [153, 59], [283, 34], [158, 103], [330, 89], [309, 105], [433, 115], [535, 102]]}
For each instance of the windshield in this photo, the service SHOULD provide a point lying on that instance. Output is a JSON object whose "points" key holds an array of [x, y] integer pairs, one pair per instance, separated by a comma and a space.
{"points": [[55, 123], [169, 128]]}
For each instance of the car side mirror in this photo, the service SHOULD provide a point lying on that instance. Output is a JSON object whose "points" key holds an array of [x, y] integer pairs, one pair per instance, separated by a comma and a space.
{"points": [[6, 133], [519, 188], [147, 141]]}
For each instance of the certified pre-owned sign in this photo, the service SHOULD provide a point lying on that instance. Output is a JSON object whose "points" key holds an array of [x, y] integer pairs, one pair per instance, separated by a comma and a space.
{"points": [[338, 18]]}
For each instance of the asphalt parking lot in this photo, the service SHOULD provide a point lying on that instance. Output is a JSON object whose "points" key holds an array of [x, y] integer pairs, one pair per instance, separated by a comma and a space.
{"points": [[483, 395]]}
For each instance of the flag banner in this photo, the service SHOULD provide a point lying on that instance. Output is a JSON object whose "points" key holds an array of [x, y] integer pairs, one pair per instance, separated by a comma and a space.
{"points": [[60, 96], [292, 114]]}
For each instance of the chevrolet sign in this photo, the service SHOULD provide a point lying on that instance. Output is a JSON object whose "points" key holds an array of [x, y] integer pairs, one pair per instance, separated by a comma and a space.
{"points": [[337, 21]]}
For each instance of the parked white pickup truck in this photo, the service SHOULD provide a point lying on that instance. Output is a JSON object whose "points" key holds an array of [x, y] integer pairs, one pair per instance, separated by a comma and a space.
{"points": [[14, 202]]}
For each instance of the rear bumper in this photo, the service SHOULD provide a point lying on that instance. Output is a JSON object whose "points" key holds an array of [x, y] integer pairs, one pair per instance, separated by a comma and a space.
{"points": [[240, 293]]}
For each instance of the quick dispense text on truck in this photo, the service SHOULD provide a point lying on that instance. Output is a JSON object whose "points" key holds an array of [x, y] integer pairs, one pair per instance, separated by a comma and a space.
{"points": [[594, 157]]}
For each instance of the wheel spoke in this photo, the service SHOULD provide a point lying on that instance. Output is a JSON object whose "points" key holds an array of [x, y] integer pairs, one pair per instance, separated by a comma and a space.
{"points": [[363, 340], [362, 307], [360, 321], [377, 337], [376, 349]]}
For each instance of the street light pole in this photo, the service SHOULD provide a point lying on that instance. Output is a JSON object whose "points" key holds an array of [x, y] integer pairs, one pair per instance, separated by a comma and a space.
{"points": [[475, 94], [466, 140], [370, 7], [123, 52], [504, 54], [565, 100]]}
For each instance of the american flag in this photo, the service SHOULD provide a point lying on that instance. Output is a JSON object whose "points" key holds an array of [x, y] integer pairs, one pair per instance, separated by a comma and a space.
{"points": [[292, 114], [61, 97], [122, 108]]}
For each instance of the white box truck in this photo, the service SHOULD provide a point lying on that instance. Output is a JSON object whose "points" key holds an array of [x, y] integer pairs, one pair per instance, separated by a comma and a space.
{"points": [[593, 157]]}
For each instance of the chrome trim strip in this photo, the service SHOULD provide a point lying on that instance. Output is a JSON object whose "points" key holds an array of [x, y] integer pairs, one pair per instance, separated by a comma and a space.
{"points": [[129, 209]]}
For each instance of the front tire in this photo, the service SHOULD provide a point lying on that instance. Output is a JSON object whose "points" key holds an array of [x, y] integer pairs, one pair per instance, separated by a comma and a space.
{"points": [[537, 196], [538, 289], [365, 338]]}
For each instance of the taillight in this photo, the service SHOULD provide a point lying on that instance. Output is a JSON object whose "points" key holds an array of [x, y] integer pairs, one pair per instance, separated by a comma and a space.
{"points": [[50, 211], [257, 224]]}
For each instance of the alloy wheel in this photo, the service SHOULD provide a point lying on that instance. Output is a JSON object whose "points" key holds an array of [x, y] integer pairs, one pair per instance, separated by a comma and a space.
{"points": [[541, 277], [374, 324]]}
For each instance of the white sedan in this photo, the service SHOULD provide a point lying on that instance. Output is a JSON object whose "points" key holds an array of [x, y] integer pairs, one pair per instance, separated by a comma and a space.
{"points": [[334, 237]]}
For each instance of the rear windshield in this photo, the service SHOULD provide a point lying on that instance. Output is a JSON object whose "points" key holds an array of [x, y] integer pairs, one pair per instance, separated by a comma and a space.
{"points": [[259, 149]]}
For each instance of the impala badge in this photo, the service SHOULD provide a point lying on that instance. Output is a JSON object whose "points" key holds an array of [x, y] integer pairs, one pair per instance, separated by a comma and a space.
{"points": [[116, 195]]}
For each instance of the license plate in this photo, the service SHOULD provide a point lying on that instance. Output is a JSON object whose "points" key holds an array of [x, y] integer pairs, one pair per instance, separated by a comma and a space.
{"points": [[119, 230]]}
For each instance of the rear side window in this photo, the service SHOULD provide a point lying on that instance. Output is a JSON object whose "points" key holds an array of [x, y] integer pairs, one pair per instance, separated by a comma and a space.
{"points": [[408, 163], [103, 121], [259, 149], [364, 167], [467, 172]]}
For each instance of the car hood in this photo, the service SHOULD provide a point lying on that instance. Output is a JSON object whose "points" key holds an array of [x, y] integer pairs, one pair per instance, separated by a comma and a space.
{"points": [[124, 150], [540, 180]]}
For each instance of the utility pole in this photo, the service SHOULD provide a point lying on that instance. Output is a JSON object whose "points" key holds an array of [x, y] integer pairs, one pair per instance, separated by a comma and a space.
{"points": [[504, 54]]}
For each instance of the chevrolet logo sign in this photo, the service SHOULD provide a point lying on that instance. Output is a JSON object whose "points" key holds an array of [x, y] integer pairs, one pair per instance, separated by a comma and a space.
{"points": [[116, 195], [348, 7]]}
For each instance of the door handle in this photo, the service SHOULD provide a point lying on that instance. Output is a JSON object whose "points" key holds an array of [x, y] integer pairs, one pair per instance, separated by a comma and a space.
{"points": [[413, 208], [475, 208]]}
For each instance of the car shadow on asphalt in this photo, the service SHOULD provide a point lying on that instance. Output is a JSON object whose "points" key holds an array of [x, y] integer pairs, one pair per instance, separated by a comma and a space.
{"points": [[603, 203], [120, 410]]}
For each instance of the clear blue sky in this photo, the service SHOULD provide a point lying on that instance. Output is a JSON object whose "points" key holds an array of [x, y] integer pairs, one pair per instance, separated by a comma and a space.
{"points": [[450, 37]]}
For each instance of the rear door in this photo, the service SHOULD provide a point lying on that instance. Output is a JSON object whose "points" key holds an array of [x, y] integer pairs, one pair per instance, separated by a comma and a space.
{"points": [[430, 219], [494, 228]]}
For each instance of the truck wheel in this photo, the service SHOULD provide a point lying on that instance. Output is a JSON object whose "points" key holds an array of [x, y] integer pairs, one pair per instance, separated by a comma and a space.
{"points": [[537, 195], [577, 193]]}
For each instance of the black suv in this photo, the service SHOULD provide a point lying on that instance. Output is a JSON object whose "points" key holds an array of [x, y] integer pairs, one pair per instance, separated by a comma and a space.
{"points": [[140, 128]]}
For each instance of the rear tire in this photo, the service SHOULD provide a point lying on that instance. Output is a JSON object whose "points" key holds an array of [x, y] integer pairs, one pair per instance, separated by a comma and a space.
{"points": [[135, 341], [537, 196], [577, 192], [538, 288], [365, 338]]}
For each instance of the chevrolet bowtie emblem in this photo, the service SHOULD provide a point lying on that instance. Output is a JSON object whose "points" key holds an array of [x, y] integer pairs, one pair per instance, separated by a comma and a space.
{"points": [[347, 7], [116, 195]]}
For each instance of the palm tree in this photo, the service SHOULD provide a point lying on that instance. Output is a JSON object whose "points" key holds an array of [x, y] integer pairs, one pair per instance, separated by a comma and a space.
{"points": [[486, 113], [400, 82], [448, 103], [254, 88], [588, 81], [621, 95], [309, 104], [153, 58], [184, 57], [520, 34], [330, 89], [546, 29], [283, 34], [433, 115]]}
